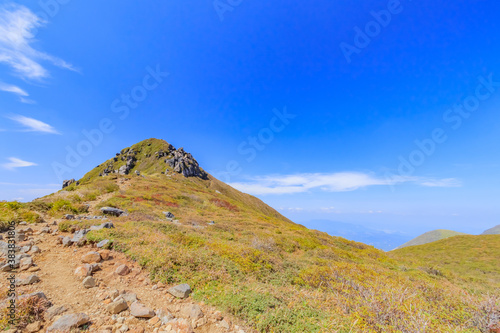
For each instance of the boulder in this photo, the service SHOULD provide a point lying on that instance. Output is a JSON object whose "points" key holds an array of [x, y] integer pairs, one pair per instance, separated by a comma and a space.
{"points": [[127, 296], [36, 295], [113, 211], [68, 322], [91, 257], [122, 270], [180, 291], [33, 327], [25, 263], [192, 311], [103, 243], [138, 310], [79, 236], [117, 306], [89, 282], [54, 311], [66, 241], [169, 215], [68, 182], [105, 254], [28, 280], [83, 271], [106, 225]]}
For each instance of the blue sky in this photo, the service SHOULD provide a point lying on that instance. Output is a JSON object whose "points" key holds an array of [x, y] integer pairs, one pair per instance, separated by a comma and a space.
{"points": [[380, 113]]}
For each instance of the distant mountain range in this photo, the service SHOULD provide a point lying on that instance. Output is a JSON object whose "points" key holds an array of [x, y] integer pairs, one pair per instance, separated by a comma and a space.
{"points": [[384, 240], [380, 239]]}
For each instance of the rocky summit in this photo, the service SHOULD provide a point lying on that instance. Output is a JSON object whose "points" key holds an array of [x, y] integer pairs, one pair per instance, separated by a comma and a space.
{"points": [[150, 156]]}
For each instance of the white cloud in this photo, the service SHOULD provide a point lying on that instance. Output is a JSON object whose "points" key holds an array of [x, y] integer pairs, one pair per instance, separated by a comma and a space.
{"points": [[27, 100], [447, 182], [332, 182], [17, 27], [16, 163], [33, 125], [13, 89]]}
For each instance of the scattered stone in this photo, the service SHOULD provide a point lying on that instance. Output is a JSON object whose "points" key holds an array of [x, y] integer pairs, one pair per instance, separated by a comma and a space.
{"points": [[89, 282], [27, 231], [117, 307], [66, 241], [36, 295], [91, 257], [68, 322], [106, 225], [218, 315], [114, 294], [83, 271], [181, 326], [103, 243], [6, 268], [45, 230], [35, 249], [138, 310], [169, 215], [225, 324], [69, 217], [54, 311], [128, 296], [113, 211], [122, 270], [192, 311], [79, 236], [25, 263], [27, 281], [19, 236], [33, 327], [180, 291], [105, 254]]}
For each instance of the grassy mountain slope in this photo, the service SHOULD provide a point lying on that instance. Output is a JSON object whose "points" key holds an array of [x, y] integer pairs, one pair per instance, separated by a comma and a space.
{"points": [[253, 262], [430, 237], [492, 231], [470, 259]]}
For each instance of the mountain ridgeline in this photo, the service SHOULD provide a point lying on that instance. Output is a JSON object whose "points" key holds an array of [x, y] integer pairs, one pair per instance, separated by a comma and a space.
{"points": [[244, 258]]}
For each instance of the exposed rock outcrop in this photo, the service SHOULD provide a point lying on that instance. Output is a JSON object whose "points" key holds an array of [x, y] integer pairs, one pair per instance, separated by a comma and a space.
{"points": [[184, 163]]}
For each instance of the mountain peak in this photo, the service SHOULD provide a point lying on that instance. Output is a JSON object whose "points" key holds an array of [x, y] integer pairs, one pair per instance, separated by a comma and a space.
{"points": [[151, 156]]}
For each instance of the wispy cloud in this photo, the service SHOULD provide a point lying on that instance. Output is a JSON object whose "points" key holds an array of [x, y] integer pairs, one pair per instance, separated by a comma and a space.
{"points": [[447, 182], [13, 89], [16, 163], [17, 27], [33, 125], [22, 94], [332, 182]]}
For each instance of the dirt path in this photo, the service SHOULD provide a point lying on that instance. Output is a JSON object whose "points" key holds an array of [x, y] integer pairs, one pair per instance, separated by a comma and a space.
{"points": [[56, 265]]}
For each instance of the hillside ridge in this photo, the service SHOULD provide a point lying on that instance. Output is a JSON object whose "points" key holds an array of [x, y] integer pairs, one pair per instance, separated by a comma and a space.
{"points": [[430, 236]]}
